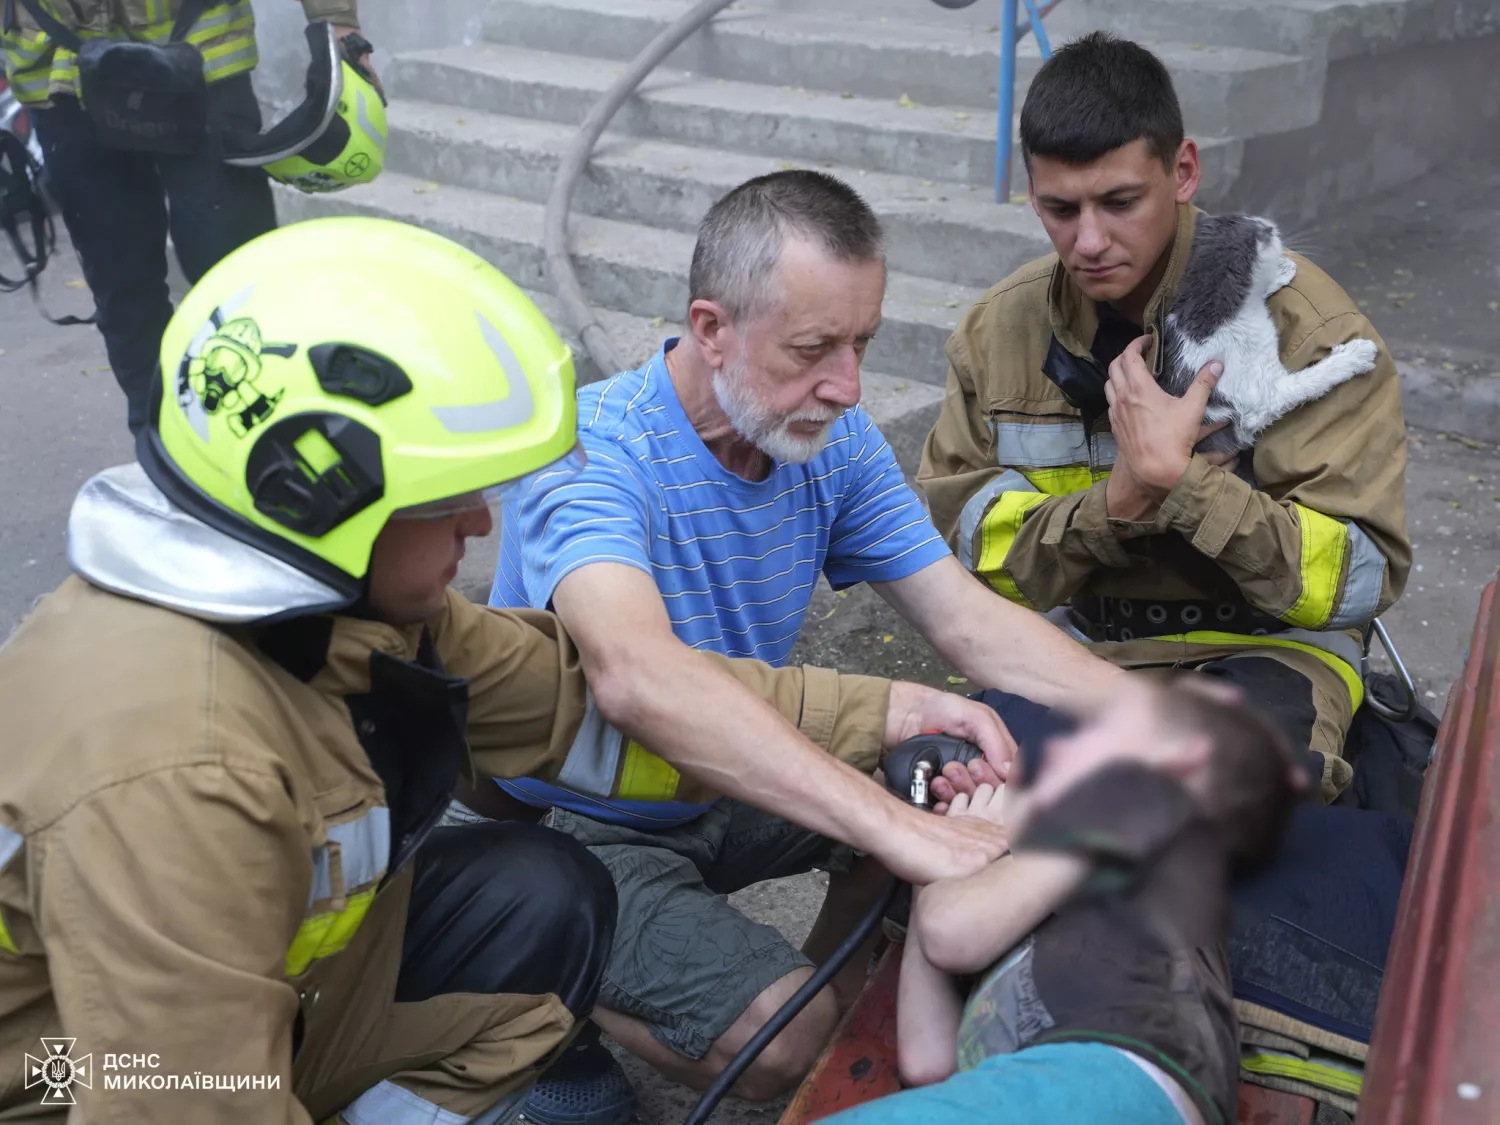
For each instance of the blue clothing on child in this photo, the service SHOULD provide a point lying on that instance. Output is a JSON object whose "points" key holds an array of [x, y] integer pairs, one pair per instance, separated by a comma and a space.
{"points": [[1076, 1083]]}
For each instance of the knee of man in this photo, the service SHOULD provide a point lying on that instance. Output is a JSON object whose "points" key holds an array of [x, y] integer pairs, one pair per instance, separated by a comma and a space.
{"points": [[788, 1057], [568, 885], [509, 907]]}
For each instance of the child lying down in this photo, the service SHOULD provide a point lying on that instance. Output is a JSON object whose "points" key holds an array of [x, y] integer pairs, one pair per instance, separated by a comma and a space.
{"points": [[1092, 956]]}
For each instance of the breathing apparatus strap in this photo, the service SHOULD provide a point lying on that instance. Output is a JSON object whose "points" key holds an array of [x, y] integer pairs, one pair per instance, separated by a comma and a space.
{"points": [[27, 223]]}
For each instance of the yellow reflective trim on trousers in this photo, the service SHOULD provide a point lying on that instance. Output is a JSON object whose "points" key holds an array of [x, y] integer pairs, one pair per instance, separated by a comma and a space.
{"points": [[1209, 637], [323, 935], [7, 943], [1064, 481], [1324, 541], [997, 533], [1330, 1074], [645, 777]]}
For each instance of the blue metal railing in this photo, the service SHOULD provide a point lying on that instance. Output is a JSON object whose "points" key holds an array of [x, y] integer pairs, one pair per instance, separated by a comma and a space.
{"points": [[1005, 89]]}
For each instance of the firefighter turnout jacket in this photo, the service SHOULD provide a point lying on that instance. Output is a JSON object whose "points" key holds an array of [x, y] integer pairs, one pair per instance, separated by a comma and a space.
{"points": [[40, 70], [206, 828], [1290, 556]]}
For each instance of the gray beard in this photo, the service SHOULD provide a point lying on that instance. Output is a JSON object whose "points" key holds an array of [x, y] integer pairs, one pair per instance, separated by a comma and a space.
{"points": [[759, 425]]}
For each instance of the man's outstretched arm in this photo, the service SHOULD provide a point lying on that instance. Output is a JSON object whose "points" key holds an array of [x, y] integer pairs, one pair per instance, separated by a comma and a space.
{"points": [[994, 642], [704, 714]]}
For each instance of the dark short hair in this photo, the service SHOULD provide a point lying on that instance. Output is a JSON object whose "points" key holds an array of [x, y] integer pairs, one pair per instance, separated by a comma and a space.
{"points": [[1097, 94], [740, 239], [1254, 781]]}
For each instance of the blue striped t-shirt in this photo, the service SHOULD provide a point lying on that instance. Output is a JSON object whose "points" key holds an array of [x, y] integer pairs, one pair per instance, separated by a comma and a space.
{"points": [[735, 560]]}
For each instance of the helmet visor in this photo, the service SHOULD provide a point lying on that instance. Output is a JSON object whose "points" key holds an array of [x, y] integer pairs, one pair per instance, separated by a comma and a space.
{"points": [[550, 475]]}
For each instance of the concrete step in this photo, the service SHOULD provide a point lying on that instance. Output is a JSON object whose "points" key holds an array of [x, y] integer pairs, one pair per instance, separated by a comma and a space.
{"points": [[940, 143], [947, 231], [1225, 91], [633, 269], [1334, 29]]}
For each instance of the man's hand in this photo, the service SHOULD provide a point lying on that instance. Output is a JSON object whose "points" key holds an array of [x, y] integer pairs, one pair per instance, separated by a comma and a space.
{"points": [[343, 31], [1155, 433], [915, 710], [924, 847]]}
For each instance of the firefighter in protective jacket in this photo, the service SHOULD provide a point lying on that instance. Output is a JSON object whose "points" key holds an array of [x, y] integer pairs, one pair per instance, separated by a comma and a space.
{"points": [[1063, 476], [230, 736]]}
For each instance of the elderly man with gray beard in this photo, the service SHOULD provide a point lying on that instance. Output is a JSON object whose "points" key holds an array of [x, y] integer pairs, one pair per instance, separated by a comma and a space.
{"points": [[723, 477]]}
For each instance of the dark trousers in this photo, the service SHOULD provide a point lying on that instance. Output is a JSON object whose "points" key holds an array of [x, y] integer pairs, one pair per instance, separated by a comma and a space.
{"points": [[507, 908], [1280, 694], [119, 207], [499, 920]]}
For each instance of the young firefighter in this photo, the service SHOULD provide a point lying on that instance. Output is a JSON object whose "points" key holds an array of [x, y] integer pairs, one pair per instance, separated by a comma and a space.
{"points": [[1062, 475], [1104, 992]]}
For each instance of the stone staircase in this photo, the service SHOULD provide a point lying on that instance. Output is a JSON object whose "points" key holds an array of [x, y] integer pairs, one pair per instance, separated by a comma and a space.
{"points": [[902, 106]]}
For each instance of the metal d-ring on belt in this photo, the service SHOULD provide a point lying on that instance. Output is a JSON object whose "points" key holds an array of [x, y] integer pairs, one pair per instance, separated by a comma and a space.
{"points": [[1128, 619]]}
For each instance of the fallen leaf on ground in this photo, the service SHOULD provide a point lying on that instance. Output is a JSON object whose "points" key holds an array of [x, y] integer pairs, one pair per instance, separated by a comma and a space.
{"points": [[905, 102], [887, 639], [956, 680]]}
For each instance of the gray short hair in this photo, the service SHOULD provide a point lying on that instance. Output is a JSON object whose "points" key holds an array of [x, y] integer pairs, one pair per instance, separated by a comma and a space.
{"points": [[740, 239]]}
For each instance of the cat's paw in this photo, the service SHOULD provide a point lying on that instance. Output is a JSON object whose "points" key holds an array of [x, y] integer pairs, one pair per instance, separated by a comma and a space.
{"points": [[1286, 270], [1355, 356]]}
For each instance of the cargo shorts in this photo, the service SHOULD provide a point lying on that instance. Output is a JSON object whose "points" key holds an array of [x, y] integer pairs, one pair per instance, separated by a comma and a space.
{"points": [[684, 960]]}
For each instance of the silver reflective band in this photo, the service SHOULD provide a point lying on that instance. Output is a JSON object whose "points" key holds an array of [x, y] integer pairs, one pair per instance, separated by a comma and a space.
{"points": [[364, 848], [389, 1104], [1041, 445], [1363, 582], [973, 511], [515, 409], [10, 844]]}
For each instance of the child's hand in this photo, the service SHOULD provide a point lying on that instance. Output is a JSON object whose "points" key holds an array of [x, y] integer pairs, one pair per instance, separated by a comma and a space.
{"points": [[957, 778], [987, 803]]}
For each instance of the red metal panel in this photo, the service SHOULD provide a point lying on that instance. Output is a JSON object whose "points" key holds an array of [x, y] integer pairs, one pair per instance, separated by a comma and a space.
{"points": [[1435, 1055], [860, 1062], [1259, 1106]]}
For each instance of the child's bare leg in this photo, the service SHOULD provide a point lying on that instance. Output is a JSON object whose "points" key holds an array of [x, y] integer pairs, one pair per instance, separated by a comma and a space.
{"points": [[929, 1007]]}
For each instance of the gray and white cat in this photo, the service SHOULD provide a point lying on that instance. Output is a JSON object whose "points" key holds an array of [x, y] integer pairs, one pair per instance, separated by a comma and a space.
{"points": [[1220, 313]]}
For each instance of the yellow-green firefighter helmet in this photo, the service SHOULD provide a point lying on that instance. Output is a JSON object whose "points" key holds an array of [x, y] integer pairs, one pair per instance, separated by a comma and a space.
{"points": [[330, 374], [336, 138]]}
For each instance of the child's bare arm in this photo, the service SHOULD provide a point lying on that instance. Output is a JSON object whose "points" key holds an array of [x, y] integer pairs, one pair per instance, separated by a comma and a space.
{"points": [[929, 1006], [966, 924]]}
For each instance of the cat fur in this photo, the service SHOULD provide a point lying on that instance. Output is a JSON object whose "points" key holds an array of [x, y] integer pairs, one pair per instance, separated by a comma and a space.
{"points": [[1219, 313]]}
